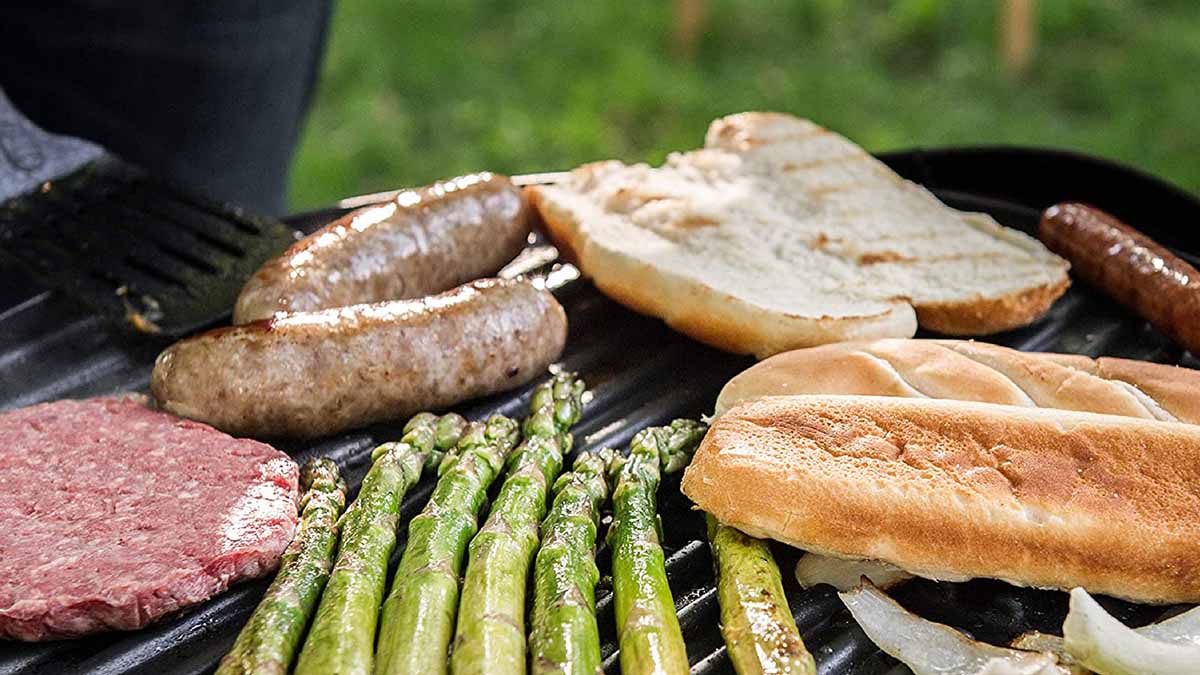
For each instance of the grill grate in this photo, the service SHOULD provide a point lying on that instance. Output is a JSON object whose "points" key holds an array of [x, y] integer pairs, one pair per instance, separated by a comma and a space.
{"points": [[640, 373]]}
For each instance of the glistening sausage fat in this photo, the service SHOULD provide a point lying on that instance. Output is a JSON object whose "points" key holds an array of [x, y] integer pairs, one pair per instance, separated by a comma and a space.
{"points": [[423, 241], [1131, 267], [315, 373]]}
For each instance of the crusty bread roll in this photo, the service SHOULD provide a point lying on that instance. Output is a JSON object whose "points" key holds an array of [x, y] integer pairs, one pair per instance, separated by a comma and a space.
{"points": [[780, 234], [952, 489], [975, 371]]}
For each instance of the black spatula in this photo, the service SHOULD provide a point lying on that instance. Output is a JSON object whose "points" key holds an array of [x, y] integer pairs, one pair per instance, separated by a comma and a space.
{"points": [[153, 258]]}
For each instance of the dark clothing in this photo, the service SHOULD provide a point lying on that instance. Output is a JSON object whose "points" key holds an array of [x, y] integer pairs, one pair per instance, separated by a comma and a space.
{"points": [[208, 93]]}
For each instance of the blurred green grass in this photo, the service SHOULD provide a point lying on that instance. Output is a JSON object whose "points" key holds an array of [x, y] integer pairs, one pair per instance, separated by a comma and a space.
{"points": [[425, 89]]}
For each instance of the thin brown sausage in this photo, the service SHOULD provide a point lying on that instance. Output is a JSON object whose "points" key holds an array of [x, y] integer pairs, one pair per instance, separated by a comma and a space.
{"points": [[1131, 267], [423, 241], [316, 373]]}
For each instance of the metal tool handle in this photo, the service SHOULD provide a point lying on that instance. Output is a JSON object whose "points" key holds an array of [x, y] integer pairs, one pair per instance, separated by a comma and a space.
{"points": [[545, 178], [30, 156]]}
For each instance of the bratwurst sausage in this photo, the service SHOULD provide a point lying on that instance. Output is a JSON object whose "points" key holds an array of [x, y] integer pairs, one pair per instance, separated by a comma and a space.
{"points": [[1132, 268], [315, 373], [423, 241]]}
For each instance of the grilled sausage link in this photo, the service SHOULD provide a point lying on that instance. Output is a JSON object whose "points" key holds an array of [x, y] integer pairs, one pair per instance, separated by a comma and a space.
{"points": [[1132, 268], [424, 241], [314, 373]]}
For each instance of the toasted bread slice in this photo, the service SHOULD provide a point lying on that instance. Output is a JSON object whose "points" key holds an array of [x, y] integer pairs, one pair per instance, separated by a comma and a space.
{"points": [[780, 234]]}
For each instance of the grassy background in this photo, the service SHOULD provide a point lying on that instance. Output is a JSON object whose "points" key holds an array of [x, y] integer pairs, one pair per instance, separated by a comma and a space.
{"points": [[424, 89]]}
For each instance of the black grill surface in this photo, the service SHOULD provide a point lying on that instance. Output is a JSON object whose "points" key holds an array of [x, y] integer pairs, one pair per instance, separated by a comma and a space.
{"points": [[640, 373]]}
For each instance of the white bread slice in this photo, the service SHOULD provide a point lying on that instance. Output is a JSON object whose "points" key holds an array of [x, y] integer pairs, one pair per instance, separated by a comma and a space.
{"points": [[951, 489], [781, 234], [974, 371]]}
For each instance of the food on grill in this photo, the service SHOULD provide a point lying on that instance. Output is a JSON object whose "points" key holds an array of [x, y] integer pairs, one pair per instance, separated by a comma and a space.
{"points": [[315, 373], [564, 636], [490, 635], [955, 489], [342, 637], [780, 234], [421, 242], [114, 515], [930, 648], [975, 371], [1134, 269], [269, 640], [760, 633], [647, 628], [417, 619], [1100, 643], [843, 574]]}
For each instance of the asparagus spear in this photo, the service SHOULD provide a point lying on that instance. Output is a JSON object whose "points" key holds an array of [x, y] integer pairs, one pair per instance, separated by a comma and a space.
{"points": [[647, 628], [418, 615], [564, 636], [342, 637], [491, 618], [759, 630], [269, 639]]}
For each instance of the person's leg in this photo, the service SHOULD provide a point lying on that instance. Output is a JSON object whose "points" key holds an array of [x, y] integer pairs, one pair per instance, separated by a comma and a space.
{"points": [[209, 93]]}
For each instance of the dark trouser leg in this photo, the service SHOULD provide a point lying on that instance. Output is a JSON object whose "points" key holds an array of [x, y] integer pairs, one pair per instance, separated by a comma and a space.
{"points": [[209, 93]]}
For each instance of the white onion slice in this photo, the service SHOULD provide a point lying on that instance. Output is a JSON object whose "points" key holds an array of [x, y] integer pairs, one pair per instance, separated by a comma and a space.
{"points": [[1183, 628], [930, 648], [843, 574], [1101, 643]]}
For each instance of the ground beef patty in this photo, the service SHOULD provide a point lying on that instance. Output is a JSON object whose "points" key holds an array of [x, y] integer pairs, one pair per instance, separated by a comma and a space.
{"points": [[112, 515]]}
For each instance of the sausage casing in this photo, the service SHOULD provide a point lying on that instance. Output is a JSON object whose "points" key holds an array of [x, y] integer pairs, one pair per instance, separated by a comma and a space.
{"points": [[1132, 268], [315, 373], [423, 241]]}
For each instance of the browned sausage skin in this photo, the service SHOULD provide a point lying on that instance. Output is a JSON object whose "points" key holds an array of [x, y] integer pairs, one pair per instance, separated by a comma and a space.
{"points": [[315, 373], [1131, 267], [423, 241]]}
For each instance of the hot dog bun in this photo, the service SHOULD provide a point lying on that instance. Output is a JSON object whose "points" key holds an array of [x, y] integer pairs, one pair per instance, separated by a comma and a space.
{"points": [[781, 234], [951, 489], [975, 371]]}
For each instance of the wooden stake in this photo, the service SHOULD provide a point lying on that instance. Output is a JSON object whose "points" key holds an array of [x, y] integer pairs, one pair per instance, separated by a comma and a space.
{"points": [[688, 26], [1018, 34]]}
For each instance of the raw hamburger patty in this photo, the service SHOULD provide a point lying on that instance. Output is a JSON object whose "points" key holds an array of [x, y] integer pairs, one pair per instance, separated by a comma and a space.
{"points": [[112, 515]]}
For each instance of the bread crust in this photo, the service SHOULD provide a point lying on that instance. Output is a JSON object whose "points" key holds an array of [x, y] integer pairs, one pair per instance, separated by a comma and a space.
{"points": [[947, 489], [983, 316], [975, 371]]}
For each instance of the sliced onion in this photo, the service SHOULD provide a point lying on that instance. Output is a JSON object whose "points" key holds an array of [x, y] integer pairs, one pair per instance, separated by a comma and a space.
{"points": [[930, 648], [1101, 643], [842, 574], [1183, 628]]}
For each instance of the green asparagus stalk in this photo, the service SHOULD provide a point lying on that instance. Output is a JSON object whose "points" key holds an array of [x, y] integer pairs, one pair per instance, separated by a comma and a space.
{"points": [[647, 628], [564, 636], [269, 639], [418, 615], [490, 637], [342, 638], [759, 630]]}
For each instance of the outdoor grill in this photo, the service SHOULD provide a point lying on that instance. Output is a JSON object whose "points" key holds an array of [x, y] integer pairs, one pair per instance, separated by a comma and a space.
{"points": [[640, 373]]}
